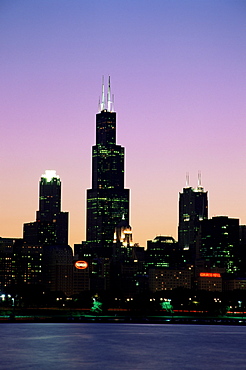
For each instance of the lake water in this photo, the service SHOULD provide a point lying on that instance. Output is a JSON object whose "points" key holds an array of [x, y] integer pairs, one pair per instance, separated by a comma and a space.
{"points": [[99, 346]]}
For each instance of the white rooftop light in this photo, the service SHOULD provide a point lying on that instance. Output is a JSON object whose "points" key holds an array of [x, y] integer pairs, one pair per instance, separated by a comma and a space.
{"points": [[50, 174]]}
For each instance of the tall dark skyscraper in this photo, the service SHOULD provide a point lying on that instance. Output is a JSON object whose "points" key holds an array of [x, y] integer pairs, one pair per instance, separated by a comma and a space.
{"points": [[51, 225], [219, 242], [49, 196], [193, 208], [107, 200]]}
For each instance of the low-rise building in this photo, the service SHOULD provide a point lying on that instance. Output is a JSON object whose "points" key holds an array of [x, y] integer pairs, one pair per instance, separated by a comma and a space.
{"points": [[168, 279]]}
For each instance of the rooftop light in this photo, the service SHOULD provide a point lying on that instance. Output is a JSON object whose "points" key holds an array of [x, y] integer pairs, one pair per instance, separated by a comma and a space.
{"points": [[50, 174]]}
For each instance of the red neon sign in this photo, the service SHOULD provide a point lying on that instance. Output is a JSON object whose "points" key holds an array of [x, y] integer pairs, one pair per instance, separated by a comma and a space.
{"points": [[210, 274], [81, 265]]}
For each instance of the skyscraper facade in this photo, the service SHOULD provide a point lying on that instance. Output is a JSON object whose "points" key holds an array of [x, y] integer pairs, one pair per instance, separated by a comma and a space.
{"points": [[49, 196], [107, 200], [193, 208], [51, 225], [219, 242]]}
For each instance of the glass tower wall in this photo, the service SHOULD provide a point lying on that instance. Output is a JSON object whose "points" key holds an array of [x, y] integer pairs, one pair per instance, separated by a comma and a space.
{"points": [[193, 208], [49, 196], [220, 242], [51, 225], [107, 200]]}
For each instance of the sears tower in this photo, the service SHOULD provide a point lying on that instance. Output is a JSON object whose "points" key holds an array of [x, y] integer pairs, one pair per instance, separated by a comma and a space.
{"points": [[107, 200]]}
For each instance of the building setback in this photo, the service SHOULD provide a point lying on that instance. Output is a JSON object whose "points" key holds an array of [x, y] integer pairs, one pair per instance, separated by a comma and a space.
{"points": [[107, 200], [51, 225]]}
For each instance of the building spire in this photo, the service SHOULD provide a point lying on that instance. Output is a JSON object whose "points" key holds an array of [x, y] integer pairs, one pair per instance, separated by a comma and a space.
{"points": [[109, 96], [112, 102], [187, 179], [103, 95], [99, 105], [199, 179]]}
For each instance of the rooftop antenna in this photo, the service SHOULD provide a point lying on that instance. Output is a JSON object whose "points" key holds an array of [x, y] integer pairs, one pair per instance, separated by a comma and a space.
{"points": [[199, 179], [109, 96], [187, 179], [99, 105], [103, 97], [112, 102]]}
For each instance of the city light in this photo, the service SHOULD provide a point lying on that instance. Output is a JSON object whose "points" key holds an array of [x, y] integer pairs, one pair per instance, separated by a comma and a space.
{"points": [[210, 274], [81, 265]]}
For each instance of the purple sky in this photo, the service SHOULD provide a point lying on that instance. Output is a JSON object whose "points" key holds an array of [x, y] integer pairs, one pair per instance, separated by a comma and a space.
{"points": [[178, 73]]}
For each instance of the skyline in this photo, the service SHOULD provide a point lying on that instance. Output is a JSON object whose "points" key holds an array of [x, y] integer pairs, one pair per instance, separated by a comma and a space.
{"points": [[178, 76]]}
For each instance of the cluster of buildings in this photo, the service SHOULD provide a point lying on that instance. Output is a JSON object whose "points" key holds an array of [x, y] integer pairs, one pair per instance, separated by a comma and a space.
{"points": [[210, 254]]}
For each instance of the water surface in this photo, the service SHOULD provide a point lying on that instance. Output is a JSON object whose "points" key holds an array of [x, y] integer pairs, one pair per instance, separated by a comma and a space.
{"points": [[97, 346]]}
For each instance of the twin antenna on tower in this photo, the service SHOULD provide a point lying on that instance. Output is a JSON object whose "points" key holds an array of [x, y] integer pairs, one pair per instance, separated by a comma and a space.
{"points": [[199, 179], [103, 104]]}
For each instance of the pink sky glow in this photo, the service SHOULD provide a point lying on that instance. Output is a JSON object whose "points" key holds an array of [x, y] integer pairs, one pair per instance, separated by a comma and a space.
{"points": [[178, 74]]}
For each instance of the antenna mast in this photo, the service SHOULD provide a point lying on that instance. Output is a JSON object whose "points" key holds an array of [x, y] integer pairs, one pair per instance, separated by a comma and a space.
{"points": [[109, 96], [199, 179], [103, 96], [187, 179], [112, 102]]}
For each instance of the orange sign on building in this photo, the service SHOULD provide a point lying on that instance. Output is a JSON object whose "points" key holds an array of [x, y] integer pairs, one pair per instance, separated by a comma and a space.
{"points": [[210, 274], [81, 265]]}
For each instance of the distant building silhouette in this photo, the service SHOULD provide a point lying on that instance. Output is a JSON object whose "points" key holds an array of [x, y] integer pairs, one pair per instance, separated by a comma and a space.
{"points": [[193, 208], [20, 264], [162, 251], [57, 267], [107, 200], [168, 279], [219, 242], [242, 249], [7, 276], [51, 225]]}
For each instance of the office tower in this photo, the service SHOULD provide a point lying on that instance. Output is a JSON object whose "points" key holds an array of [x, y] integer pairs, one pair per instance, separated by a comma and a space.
{"points": [[57, 267], [20, 264], [168, 279], [6, 262], [219, 242], [241, 255], [51, 225], [107, 200], [162, 251], [193, 208], [242, 250], [49, 196], [27, 264], [81, 276]]}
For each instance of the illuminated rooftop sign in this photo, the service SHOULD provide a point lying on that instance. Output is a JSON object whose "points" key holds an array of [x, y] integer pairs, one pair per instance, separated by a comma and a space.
{"points": [[210, 274], [81, 265]]}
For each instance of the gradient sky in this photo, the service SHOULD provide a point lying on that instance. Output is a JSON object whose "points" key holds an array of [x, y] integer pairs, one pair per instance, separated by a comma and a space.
{"points": [[178, 74]]}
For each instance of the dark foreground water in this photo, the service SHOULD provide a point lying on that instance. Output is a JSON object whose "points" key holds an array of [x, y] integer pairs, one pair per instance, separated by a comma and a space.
{"points": [[121, 346]]}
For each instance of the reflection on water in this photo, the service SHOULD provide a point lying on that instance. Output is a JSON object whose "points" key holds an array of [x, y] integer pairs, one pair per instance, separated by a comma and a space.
{"points": [[121, 346]]}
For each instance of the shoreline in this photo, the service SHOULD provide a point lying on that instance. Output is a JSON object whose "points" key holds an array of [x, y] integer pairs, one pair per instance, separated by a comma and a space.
{"points": [[79, 316]]}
